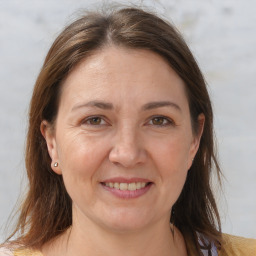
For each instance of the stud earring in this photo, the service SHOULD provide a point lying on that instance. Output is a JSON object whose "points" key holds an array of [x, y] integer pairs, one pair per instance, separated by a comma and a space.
{"points": [[55, 164]]}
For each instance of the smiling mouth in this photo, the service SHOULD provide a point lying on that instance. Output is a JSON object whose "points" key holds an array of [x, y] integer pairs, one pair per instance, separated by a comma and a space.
{"points": [[126, 186]]}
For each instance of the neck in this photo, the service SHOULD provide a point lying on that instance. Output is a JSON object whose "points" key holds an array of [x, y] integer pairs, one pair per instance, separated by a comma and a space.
{"points": [[90, 239]]}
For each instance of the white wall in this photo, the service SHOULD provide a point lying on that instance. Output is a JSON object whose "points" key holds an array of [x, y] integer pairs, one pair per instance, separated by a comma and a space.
{"points": [[222, 36]]}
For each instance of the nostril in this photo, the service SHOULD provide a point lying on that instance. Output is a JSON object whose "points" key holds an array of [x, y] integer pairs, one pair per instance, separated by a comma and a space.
{"points": [[127, 154]]}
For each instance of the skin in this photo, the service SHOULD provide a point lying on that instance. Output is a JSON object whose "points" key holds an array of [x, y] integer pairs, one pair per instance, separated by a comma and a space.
{"points": [[131, 138]]}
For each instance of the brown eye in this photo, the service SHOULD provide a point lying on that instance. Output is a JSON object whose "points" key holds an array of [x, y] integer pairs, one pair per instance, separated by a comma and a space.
{"points": [[94, 121], [160, 121]]}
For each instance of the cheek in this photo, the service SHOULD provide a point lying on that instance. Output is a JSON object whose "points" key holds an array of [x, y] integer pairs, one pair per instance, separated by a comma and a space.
{"points": [[81, 158], [172, 155], [171, 159], [80, 161]]}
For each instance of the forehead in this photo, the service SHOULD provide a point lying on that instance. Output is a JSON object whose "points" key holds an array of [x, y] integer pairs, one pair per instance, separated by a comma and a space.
{"points": [[122, 74]]}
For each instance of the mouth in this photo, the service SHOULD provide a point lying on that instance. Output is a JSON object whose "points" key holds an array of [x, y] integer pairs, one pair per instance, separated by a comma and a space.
{"points": [[127, 189], [126, 186]]}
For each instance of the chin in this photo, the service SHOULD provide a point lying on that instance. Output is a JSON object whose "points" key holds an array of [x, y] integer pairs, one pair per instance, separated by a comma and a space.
{"points": [[127, 227], [126, 221]]}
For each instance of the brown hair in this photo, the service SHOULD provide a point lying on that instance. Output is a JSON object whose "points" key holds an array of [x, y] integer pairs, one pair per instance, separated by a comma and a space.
{"points": [[46, 211]]}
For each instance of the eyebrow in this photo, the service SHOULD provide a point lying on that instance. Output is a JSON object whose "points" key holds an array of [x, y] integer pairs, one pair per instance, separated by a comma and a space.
{"points": [[160, 104], [109, 106], [97, 104]]}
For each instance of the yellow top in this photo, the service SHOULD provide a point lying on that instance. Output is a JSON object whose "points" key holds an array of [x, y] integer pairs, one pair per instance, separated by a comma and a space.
{"points": [[237, 246], [232, 246], [27, 252]]}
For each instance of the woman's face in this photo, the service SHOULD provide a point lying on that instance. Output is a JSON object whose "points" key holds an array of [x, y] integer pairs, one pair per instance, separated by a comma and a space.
{"points": [[123, 139]]}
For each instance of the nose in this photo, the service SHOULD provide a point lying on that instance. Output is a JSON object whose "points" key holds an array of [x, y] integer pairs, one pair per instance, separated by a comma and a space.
{"points": [[127, 149]]}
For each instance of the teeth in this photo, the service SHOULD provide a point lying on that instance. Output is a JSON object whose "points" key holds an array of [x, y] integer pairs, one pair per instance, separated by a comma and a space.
{"points": [[126, 186], [131, 186], [123, 186], [139, 185], [116, 185]]}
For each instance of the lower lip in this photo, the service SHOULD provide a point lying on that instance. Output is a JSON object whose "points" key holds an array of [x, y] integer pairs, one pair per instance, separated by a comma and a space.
{"points": [[128, 194]]}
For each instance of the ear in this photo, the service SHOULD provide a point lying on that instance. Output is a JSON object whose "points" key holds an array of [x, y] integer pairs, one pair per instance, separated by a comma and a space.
{"points": [[196, 140], [49, 135]]}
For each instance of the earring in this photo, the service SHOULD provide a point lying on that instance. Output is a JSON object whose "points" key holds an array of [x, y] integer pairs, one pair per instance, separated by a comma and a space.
{"points": [[55, 164]]}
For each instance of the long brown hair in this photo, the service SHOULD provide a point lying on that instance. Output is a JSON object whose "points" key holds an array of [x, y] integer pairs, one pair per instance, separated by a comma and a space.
{"points": [[46, 211]]}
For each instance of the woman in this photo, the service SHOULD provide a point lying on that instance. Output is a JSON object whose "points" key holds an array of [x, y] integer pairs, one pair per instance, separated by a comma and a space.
{"points": [[120, 146]]}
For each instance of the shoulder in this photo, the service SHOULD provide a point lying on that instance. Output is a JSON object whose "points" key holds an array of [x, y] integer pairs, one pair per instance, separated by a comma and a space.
{"points": [[26, 252], [237, 246], [5, 252], [19, 252]]}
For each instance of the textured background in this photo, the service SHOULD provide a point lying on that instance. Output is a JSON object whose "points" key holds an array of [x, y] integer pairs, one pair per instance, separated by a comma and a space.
{"points": [[222, 36]]}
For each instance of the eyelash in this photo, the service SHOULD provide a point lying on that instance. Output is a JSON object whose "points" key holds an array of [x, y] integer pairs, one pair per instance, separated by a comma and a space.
{"points": [[166, 121], [88, 119]]}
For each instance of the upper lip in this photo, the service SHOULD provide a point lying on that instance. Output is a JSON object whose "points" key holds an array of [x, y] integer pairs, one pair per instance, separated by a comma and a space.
{"points": [[125, 180]]}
